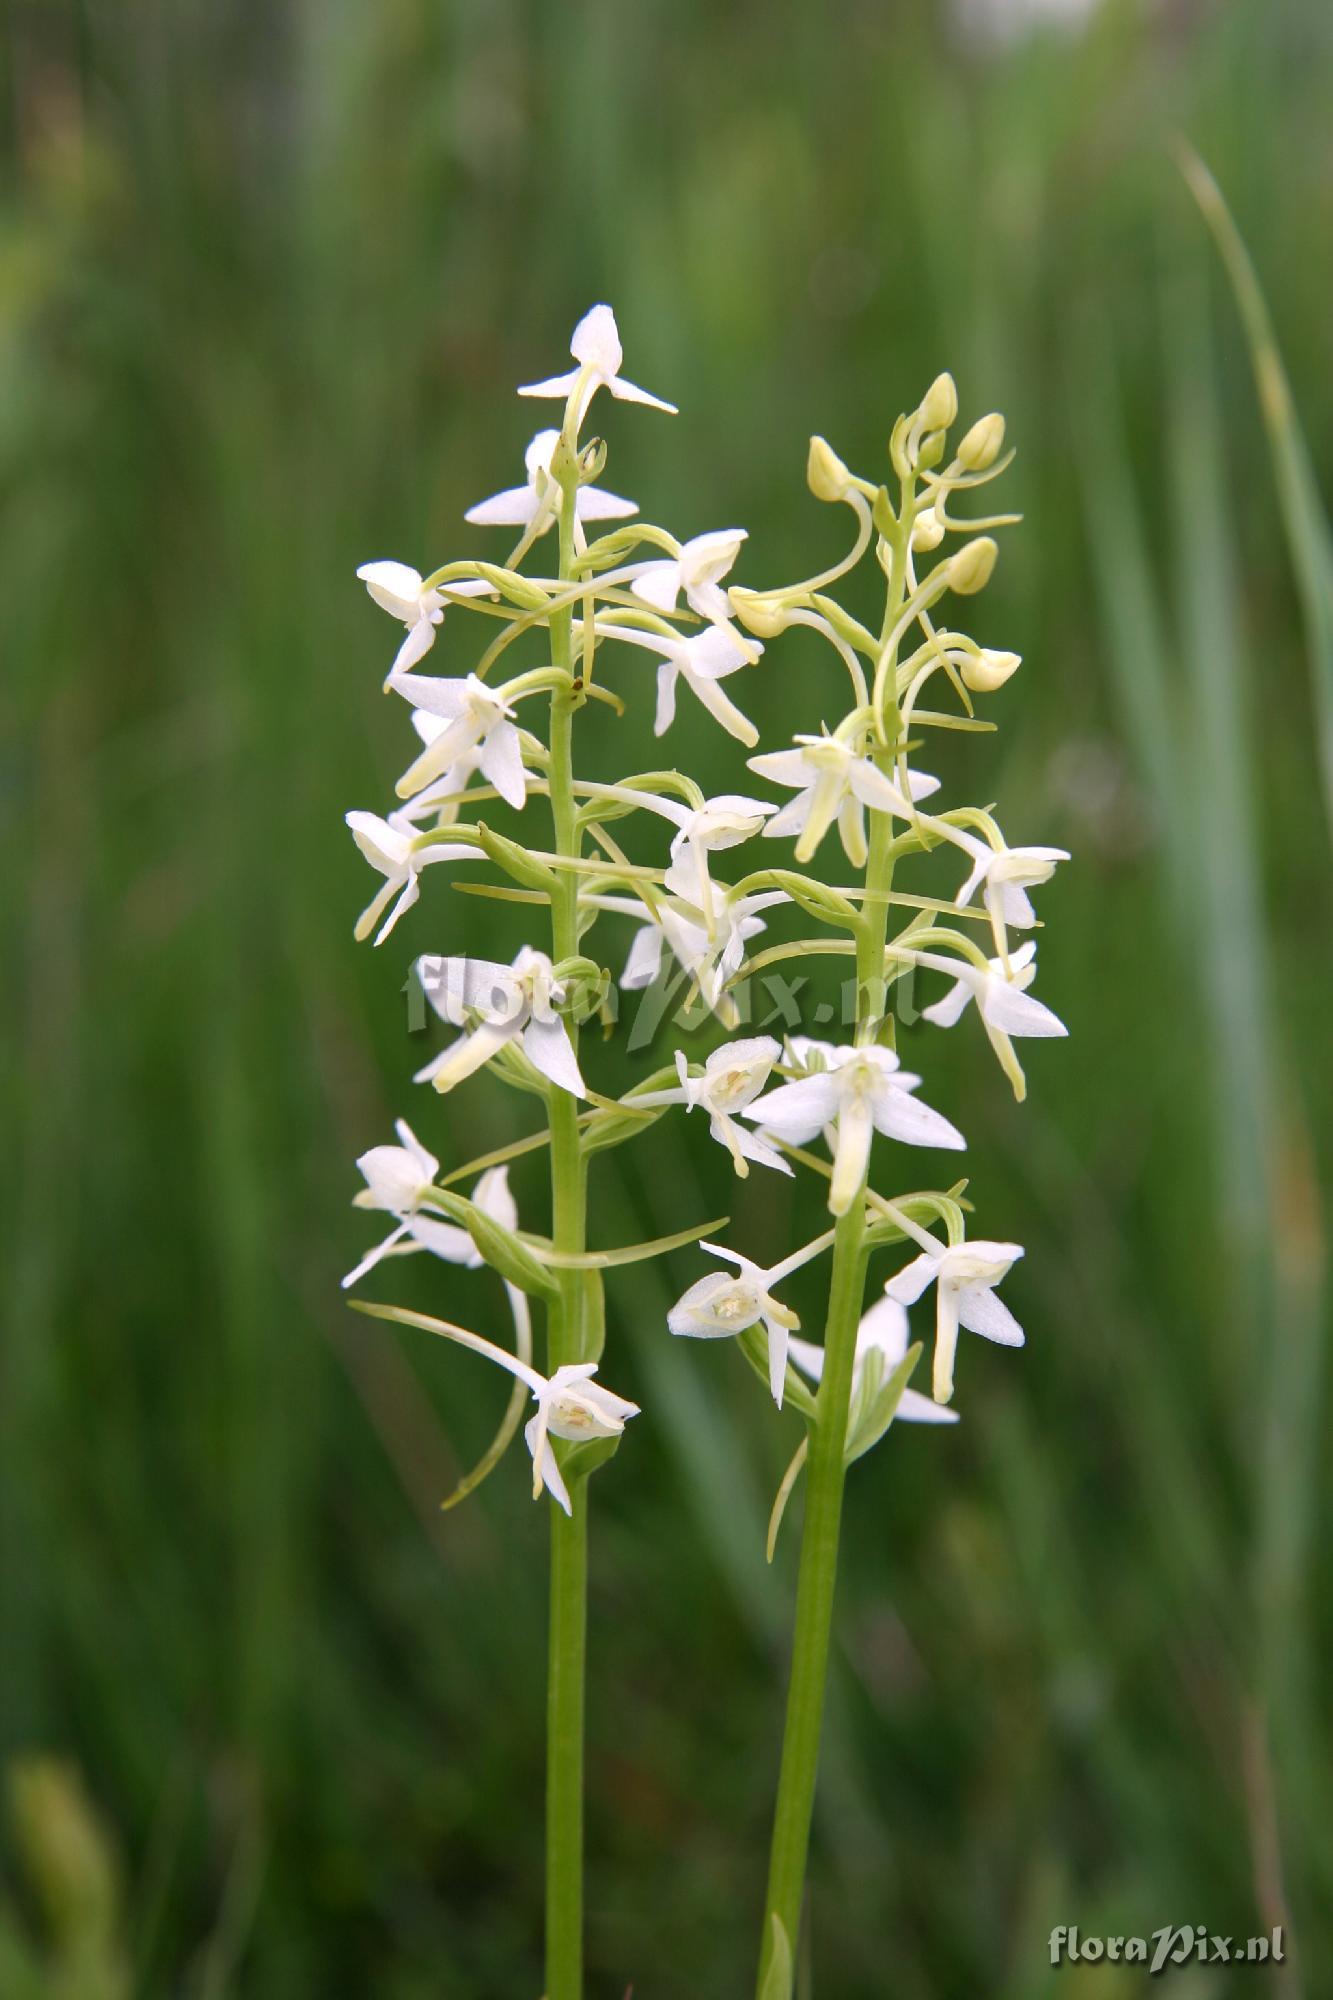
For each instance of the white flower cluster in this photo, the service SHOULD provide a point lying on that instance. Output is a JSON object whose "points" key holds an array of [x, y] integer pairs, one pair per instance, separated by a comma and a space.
{"points": [[766, 1102]]}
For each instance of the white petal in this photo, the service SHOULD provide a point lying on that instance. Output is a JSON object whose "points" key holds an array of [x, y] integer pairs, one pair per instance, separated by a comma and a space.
{"points": [[594, 503], [908, 1284], [1016, 1013], [630, 392], [884, 1328], [778, 1338], [724, 711], [596, 341], [513, 508], [807, 1356], [443, 1239], [945, 1011], [467, 1054], [420, 639], [914, 1408], [898, 1115], [372, 1257], [783, 767], [493, 1197], [851, 1155], [553, 385], [537, 1441], [410, 892], [666, 697], [453, 985], [549, 1049], [395, 587], [658, 584], [797, 1111], [644, 961], [981, 1312], [502, 764]]}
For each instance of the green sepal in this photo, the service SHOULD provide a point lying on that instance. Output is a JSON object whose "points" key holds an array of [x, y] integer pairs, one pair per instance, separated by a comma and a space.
{"points": [[584, 1459], [753, 1344], [630, 1253], [515, 860], [499, 1246], [594, 1316], [877, 1403]]}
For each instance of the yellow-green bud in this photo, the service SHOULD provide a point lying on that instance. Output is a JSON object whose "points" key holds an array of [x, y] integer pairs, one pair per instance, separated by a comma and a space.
{"points": [[970, 570], [825, 474], [760, 615], [939, 405], [983, 443], [987, 670], [927, 530]]}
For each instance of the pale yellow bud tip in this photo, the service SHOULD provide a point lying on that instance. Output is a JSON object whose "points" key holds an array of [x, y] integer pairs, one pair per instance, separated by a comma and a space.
{"points": [[760, 615], [989, 670], [927, 530], [970, 570], [939, 405], [983, 443], [825, 473]]}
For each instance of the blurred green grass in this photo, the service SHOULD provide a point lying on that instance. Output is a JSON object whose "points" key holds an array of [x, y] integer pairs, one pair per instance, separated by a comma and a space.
{"points": [[267, 278]]}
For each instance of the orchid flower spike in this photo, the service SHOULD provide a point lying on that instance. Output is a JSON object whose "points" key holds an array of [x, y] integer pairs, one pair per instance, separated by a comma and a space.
{"points": [[536, 505], [883, 1331], [479, 724], [964, 1276], [597, 350], [509, 1002], [399, 590], [725, 821], [834, 781], [388, 845], [1004, 875], [400, 1181], [851, 1095], [732, 1077], [698, 571], [721, 1305], [701, 662]]}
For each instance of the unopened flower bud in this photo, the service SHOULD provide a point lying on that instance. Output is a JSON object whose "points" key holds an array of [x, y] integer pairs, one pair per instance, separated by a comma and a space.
{"points": [[927, 530], [985, 671], [983, 443], [764, 616], [825, 473], [970, 570], [939, 405]]}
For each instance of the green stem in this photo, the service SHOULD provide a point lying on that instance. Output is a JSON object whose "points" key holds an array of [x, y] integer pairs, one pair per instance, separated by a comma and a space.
{"points": [[826, 1468], [569, 1534]]}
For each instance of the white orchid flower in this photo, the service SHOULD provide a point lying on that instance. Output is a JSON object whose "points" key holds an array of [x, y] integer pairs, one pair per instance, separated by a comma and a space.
{"points": [[711, 961], [725, 821], [701, 662], [856, 1093], [387, 845], [1004, 875], [511, 1002], [732, 1077], [400, 1182], [400, 590], [883, 1331], [834, 781], [536, 505], [597, 350], [721, 1305], [1000, 992], [479, 727], [570, 1405], [964, 1276], [697, 570]]}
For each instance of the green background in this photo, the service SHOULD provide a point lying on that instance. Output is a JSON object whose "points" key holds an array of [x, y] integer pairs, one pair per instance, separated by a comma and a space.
{"points": [[268, 275]]}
